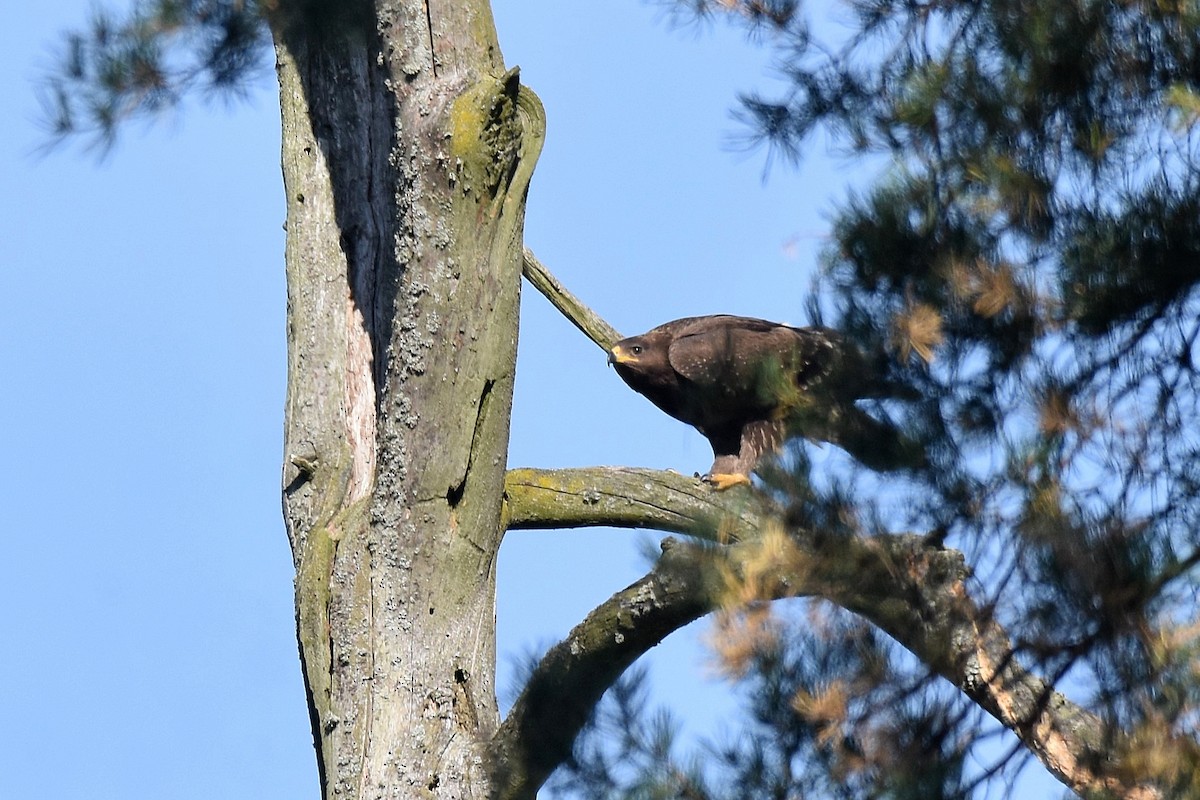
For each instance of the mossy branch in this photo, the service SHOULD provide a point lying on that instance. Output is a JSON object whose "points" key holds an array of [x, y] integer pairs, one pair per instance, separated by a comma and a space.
{"points": [[569, 681], [629, 497], [588, 321], [913, 591]]}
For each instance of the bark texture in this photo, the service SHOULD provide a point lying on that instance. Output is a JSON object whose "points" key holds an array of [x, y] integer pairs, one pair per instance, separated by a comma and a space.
{"points": [[407, 154], [914, 590], [539, 731]]}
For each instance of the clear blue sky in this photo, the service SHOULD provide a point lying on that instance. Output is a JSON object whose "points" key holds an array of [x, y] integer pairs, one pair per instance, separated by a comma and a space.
{"points": [[149, 649]]}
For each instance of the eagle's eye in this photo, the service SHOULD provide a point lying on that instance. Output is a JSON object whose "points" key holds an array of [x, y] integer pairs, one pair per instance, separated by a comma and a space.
{"points": [[636, 349]]}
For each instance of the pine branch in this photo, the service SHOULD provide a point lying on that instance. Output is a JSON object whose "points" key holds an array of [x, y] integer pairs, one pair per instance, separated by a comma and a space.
{"points": [[915, 592]]}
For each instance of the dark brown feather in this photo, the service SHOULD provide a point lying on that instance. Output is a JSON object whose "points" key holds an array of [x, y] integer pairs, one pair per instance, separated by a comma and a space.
{"points": [[734, 378]]}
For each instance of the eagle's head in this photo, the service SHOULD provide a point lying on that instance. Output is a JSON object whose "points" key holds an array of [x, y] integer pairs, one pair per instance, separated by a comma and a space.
{"points": [[644, 363], [637, 354]]}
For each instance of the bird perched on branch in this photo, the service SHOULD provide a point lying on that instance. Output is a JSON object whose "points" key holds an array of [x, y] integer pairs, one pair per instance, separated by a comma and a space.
{"points": [[744, 383]]}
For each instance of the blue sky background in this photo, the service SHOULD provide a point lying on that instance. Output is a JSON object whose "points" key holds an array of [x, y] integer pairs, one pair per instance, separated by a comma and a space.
{"points": [[149, 649]]}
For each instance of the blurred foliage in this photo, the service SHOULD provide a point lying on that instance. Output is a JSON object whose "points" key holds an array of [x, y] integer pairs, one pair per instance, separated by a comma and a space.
{"points": [[1025, 270], [829, 716], [140, 64], [628, 751]]}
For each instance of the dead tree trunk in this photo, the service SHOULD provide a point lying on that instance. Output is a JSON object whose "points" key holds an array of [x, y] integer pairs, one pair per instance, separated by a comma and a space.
{"points": [[407, 152]]}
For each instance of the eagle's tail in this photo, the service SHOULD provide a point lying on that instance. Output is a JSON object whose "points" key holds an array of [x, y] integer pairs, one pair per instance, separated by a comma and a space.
{"points": [[877, 444]]}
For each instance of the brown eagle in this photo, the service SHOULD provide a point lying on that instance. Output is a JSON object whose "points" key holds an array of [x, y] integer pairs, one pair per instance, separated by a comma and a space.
{"points": [[739, 381]]}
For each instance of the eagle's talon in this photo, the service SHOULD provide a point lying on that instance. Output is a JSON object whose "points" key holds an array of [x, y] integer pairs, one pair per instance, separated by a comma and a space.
{"points": [[722, 481]]}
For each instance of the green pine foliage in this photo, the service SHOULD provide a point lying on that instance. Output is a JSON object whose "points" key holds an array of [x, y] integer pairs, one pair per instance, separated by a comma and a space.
{"points": [[138, 65], [829, 715], [1026, 270]]}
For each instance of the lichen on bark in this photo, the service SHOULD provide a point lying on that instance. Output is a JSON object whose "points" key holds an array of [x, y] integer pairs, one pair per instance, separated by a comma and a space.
{"points": [[403, 289]]}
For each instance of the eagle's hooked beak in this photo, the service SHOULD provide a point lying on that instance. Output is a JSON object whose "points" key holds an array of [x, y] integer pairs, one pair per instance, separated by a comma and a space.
{"points": [[618, 355]]}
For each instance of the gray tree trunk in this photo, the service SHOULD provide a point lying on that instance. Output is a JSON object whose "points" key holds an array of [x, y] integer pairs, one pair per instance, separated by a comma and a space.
{"points": [[407, 152]]}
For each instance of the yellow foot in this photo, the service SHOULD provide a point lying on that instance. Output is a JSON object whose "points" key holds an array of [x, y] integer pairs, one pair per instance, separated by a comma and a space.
{"points": [[722, 481]]}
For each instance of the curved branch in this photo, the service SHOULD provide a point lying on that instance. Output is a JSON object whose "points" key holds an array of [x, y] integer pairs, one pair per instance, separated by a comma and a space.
{"points": [[539, 731], [910, 589], [588, 321]]}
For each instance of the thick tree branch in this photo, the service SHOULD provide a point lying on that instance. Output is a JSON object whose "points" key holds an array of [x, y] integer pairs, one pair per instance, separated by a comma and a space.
{"points": [[915, 592], [571, 306], [563, 691], [628, 497]]}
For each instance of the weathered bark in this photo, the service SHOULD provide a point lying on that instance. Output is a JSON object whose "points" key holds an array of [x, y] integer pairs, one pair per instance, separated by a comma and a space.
{"points": [[915, 591], [407, 154], [539, 731], [587, 321]]}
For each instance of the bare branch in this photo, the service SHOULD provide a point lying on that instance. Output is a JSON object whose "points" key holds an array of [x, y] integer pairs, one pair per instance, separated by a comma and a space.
{"points": [[559, 697], [915, 592], [628, 497], [588, 321]]}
